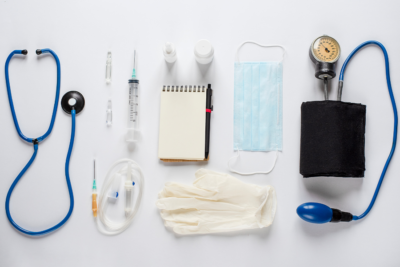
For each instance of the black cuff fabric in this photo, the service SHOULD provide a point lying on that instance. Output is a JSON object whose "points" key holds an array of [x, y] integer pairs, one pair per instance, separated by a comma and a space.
{"points": [[332, 139]]}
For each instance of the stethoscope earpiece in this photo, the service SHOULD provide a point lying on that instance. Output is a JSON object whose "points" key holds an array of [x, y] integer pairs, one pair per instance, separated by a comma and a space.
{"points": [[25, 52], [73, 100]]}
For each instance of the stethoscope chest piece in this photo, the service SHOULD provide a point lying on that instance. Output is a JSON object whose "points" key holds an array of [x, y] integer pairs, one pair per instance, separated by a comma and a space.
{"points": [[73, 100]]}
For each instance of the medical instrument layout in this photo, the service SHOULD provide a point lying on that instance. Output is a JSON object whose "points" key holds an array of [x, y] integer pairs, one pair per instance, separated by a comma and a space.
{"points": [[108, 67], [325, 52], [332, 144], [133, 176], [94, 191], [109, 113], [319, 213], [133, 104], [72, 103]]}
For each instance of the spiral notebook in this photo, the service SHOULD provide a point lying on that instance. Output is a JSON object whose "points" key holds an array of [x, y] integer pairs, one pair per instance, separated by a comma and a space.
{"points": [[182, 131]]}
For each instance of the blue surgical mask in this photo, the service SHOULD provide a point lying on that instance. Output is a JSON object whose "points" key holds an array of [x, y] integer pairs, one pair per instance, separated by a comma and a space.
{"points": [[258, 106]]}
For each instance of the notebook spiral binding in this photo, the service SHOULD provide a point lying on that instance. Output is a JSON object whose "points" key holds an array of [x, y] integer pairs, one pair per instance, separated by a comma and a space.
{"points": [[186, 88]]}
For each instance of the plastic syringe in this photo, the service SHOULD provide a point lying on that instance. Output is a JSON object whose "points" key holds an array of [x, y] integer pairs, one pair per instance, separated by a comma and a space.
{"points": [[133, 104], [94, 191]]}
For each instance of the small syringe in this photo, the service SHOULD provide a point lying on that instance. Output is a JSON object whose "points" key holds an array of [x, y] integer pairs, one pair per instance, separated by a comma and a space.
{"points": [[94, 191], [133, 104]]}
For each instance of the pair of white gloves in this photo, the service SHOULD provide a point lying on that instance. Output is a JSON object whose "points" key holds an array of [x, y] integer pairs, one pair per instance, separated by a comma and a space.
{"points": [[216, 202]]}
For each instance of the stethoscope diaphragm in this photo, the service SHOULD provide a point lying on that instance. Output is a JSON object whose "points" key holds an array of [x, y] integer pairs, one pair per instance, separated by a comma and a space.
{"points": [[73, 100]]}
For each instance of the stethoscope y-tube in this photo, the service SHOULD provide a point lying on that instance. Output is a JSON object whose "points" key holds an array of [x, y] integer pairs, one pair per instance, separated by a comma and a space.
{"points": [[36, 141], [319, 213]]}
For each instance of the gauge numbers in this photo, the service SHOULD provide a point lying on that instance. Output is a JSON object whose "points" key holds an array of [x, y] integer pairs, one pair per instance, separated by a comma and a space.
{"points": [[326, 49]]}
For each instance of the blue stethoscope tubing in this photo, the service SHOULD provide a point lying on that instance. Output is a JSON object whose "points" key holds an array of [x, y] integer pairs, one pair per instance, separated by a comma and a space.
{"points": [[36, 142], [389, 85]]}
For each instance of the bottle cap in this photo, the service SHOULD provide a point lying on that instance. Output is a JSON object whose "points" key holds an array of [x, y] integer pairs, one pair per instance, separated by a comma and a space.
{"points": [[169, 49], [203, 49], [169, 52]]}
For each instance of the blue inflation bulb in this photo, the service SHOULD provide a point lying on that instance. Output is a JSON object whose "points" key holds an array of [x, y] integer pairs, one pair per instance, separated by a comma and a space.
{"points": [[315, 212]]}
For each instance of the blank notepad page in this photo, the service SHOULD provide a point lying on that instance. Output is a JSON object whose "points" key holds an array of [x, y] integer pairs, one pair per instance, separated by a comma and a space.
{"points": [[182, 125]]}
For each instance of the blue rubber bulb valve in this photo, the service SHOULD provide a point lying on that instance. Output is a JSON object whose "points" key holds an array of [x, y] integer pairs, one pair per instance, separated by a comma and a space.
{"points": [[319, 213]]}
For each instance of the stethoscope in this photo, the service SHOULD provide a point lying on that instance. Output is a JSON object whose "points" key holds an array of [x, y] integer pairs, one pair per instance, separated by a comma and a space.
{"points": [[72, 103], [319, 213]]}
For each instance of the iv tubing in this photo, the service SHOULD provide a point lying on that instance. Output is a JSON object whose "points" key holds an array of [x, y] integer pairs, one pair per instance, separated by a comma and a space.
{"points": [[113, 228], [394, 113]]}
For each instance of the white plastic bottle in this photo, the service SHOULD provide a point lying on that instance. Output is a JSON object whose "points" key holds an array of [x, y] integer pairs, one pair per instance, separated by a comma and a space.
{"points": [[204, 51], [169, 52]]}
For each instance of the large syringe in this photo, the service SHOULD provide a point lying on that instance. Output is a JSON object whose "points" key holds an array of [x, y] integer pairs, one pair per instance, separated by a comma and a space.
{"points": [[133, 104]]}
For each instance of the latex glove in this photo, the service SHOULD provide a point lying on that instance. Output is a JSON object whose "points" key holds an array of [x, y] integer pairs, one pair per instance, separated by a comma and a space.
{"points": [[216, 202]]}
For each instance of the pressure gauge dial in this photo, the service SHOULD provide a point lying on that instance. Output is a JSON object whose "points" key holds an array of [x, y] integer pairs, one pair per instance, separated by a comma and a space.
{"points": [[325, 49], [325, 52]]}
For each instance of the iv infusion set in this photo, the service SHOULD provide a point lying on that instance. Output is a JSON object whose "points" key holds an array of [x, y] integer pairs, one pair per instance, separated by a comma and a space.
{"points": [[133, 82], [333, 132]]}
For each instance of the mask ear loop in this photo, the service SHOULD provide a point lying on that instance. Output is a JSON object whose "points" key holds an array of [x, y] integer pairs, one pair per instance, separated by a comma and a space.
{"points": [[237, 155], [252, 42]]}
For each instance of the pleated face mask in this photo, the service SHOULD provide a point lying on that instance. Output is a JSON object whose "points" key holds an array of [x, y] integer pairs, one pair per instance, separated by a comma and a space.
{"points": [[257, 106]]}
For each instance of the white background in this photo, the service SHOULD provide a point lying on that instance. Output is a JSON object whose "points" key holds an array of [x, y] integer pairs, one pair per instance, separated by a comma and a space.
{"points": [[81, 32]]}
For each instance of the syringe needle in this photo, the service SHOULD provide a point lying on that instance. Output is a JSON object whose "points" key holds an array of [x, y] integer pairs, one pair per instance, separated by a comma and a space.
{"points": [[134, 65]]}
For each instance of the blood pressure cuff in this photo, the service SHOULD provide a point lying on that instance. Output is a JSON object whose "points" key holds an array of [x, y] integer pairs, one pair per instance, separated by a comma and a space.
{"points": [[332, 139]]}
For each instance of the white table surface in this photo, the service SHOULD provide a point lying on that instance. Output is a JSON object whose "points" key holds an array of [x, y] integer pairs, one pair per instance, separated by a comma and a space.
{"points": [[81, 32]]}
